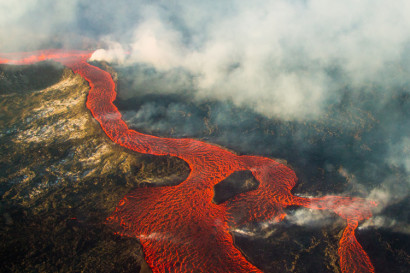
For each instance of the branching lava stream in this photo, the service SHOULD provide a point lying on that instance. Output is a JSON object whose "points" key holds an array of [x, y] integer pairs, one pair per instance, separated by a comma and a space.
{"points": [[179, 227]]}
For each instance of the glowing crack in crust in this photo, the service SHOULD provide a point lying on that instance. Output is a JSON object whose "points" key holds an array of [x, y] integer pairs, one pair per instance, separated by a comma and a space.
{"points": [[179, 227]]}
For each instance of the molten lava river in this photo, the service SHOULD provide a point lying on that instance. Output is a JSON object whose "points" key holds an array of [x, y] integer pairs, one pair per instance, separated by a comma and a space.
{"points": [[179, 227]]}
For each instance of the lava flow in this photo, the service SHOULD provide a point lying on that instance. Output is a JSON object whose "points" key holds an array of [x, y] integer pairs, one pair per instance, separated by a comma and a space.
{"points": [[179, 227]]}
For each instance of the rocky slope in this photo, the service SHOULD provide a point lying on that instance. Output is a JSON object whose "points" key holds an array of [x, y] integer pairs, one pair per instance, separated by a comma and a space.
{"points": [[60, 177]]}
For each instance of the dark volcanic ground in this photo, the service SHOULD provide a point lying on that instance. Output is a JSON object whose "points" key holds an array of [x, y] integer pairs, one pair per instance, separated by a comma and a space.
{"points": [[60, 176], [358, 147]]}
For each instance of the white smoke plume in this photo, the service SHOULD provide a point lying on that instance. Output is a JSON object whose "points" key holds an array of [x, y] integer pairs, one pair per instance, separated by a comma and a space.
{"points": [[274, 56], [277, 57]]}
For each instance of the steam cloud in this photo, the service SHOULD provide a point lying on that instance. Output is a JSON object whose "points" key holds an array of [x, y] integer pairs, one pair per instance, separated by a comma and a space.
{"points": [[285, 60], [278, 57], [282, 58]]}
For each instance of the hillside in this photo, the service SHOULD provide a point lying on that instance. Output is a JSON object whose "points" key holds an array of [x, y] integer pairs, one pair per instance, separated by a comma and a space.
{"points": [[60, 177]]}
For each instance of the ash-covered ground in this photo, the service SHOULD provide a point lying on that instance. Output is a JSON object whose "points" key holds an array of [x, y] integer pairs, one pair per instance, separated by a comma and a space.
{"points": [[60, 176]]}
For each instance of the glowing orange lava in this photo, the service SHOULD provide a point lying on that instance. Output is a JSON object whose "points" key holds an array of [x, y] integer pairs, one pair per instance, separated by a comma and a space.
{"points": [[179, 227]]}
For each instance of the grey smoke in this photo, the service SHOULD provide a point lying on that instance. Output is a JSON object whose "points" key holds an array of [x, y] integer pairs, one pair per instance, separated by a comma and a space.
{"points": [[278, 57], [285, 59]]}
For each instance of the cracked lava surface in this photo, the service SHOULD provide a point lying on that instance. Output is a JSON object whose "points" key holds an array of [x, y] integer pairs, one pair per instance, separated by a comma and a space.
{"points": [[179, 227]]}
